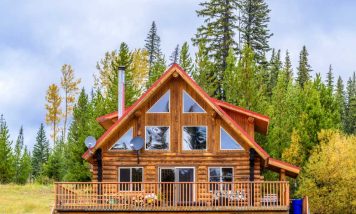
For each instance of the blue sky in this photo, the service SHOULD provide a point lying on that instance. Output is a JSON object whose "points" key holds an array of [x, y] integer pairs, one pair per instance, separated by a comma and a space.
{"points": [[37, 37]]}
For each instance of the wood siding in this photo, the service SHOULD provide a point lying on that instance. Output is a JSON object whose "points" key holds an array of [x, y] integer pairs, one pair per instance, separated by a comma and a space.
{"points": [[201, 160]]}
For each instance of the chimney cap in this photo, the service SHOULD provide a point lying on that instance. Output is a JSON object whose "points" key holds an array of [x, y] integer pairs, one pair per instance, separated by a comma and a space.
{"points": [[121, 68]]}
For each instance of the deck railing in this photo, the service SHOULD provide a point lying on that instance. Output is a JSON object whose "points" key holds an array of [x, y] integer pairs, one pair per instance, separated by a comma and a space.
{"points": [[172, 196]]}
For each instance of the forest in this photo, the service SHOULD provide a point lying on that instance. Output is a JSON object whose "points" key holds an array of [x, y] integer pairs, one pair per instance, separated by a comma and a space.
{"points": [[313, 117]]}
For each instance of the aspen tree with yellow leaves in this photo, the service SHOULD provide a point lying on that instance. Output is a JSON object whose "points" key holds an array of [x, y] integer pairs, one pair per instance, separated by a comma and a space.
{"points": [[54, 111], [70, 86], [140, 67]]}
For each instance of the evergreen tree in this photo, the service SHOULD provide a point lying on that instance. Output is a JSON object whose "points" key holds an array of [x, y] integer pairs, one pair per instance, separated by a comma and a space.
{"points": [[77, 169], [185, 61], [287, 68], [330, 80], [230, 78], [153, 46], [350, 110], [203, 72], [70, 86], [217, 32], [157, 70], [6, 153], [18, 156], [54, 168], [107, 81], [340, 100], [250, 93], [40, 152], [25, 169], [175, 55], [275, 68], [304, 68], [254, 26]]}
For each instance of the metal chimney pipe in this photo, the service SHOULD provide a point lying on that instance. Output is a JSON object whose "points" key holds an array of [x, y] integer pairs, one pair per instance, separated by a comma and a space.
{"points": [[121, 91]]}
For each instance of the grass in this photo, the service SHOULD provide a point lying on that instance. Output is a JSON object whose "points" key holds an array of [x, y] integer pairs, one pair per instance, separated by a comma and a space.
{"points": [[29, 198]]}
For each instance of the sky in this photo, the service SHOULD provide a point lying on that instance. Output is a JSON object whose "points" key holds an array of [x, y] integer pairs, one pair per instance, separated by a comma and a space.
{"points": [[38, 37]]}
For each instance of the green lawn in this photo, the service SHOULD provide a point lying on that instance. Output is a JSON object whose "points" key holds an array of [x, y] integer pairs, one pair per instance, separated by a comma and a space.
{"points": [[30, 198]]}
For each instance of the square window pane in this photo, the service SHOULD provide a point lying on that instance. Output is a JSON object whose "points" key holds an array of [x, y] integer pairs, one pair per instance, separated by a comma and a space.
{"points": [[157, 138], [194, 137]]}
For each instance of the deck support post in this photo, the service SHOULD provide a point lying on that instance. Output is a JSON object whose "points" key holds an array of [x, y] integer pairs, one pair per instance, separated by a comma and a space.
{"points": [[252, 174], [282, 175], [99, 161]]}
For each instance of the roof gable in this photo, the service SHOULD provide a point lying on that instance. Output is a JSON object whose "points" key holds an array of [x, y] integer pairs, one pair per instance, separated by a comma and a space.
{"points": [[175, 70]]}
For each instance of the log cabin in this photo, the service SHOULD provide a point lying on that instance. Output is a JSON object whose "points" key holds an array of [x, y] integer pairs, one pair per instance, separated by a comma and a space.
{"points": [[199, 154]]}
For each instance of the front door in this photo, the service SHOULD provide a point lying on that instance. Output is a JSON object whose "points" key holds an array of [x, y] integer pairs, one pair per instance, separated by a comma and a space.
{"points": [[176, 186]]}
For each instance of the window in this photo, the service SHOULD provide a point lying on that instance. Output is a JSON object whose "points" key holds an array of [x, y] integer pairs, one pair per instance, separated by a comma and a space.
{"points": [[194, 137], [190, 105], [218, 175], [162, 105], [227, 142], [157, 137], [130, 174], [124, 142]]}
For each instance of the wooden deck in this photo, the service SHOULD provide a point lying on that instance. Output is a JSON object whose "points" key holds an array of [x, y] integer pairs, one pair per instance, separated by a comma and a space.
{"points": [[172, 196]]}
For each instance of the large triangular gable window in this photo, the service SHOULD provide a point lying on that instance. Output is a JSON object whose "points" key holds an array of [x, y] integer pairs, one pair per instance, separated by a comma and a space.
{"points": [[124, 142], [162, 105], [227, 142], [190, 105]]}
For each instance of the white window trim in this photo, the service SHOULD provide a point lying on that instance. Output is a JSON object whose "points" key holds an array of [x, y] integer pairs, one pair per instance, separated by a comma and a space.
{"points": [[207, 136], [169, 104], [169, 140], [242, 149], [184, 112], [120, 150], [130, 186], [221, 167]]}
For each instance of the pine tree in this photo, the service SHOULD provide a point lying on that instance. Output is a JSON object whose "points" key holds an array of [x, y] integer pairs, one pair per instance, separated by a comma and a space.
{"points": [[153, 46], [6, 153], [217, 32], [304, 69], [350, 110], [330, 80], [203, 72], [54, 111], [340, 100], [157, 70], [185, 61], [254, 26], [230, 78], [275, 69], [175, 56], [54, 168], [25, 169], [250, 94], [40, 152], [18, 156], [287, 68], [70, 86], [107, 81], [76, 168]]}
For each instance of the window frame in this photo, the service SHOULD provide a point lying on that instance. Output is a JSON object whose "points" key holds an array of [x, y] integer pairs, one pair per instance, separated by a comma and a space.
{"points": [[130, 185], [169, 139], [195, 150], [120, 150], [242, 148], [169, 104], [184, 112], [221, 185]]}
